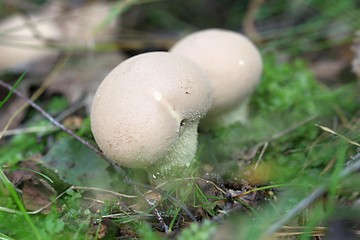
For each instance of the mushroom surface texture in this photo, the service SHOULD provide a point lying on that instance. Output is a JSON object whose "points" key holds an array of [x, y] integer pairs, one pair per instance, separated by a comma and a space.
{"points": [[233, 65], [146, 111]]}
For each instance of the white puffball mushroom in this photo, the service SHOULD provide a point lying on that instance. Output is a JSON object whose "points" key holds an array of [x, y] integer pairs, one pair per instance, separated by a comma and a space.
{"points": [[233, 65], [145, 113]]}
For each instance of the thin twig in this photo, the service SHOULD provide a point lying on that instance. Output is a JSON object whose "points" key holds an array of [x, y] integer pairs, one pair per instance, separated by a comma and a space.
{"points": [[46, 129], [290, 129], [73, 108], [264, 144], [261, 155], [35, 129], [58, 67], [103, 190], [9, 210], [51, 119]]}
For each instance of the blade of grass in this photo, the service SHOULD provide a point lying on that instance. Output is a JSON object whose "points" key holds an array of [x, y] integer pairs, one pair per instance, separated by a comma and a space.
{"points": [[33, 171], [18, 202], [5, 237], [2, 102], [52, 120]]}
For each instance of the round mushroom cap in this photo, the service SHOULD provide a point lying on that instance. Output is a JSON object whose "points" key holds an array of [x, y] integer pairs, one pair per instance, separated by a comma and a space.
{"points": [[231, 61], [145, 104]]}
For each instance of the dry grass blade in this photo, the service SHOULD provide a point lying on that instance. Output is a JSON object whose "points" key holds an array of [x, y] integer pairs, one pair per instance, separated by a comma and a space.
{"points": [[326, 129], [289, 231]]}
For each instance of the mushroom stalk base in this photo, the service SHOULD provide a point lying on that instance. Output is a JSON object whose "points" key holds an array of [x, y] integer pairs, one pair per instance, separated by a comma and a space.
{"points": [[179, 156]]}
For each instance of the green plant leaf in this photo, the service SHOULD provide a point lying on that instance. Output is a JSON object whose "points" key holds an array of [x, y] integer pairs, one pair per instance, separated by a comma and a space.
{"points": [[198, 231], [76, 164]]}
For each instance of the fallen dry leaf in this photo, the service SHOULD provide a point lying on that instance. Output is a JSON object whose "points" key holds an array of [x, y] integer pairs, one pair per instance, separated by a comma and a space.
{"points": [[22, 173], [86, 25], [36, 192], [328, 71], [27, 38], [24, 40], [73, 122]]}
